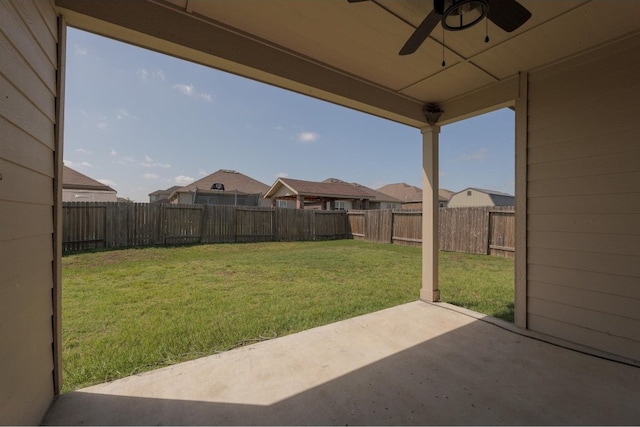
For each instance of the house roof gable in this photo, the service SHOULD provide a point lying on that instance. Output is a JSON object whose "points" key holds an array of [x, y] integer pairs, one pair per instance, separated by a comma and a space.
{"points": [[486, 191], [498, 198], [376, 195], [232, 180], [331, 188], [167, 192], [74, 180], [323, 189], [410, 193]]}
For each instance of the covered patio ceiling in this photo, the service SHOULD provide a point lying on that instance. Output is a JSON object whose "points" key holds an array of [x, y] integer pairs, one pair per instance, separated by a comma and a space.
{"points": [[347, 53]]}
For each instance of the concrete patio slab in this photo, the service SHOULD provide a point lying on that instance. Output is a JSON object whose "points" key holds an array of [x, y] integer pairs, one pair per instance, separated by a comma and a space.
{"points": [[417, 363]]}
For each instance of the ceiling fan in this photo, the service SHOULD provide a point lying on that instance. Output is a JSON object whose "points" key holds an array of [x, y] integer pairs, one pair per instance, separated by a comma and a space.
{"points": [[457, 15]]}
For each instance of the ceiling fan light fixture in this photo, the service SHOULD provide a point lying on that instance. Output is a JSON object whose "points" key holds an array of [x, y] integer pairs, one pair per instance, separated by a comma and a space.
{"points": [[462, 14]]}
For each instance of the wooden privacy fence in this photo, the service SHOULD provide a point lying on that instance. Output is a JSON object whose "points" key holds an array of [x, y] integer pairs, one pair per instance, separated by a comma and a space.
{"points": [[482, 230], [91, 225]]}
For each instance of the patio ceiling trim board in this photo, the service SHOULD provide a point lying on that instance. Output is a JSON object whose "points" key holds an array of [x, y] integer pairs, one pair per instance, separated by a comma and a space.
{"points": [[174, 31], [501, 94]]}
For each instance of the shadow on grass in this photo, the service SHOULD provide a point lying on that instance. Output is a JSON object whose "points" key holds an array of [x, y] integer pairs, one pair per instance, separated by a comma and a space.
{"points": [[506, 312]]}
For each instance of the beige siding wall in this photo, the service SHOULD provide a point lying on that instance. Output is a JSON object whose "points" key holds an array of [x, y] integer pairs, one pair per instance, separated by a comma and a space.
{"points": [[185, 198], [89, 196], [583, 256], [266, 203], [283, 192], [348, 204], [463, 200], [28, 48]]}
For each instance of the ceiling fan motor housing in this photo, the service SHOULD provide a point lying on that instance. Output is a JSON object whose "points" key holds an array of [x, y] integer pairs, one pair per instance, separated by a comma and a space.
{"points": [[459, 15]]}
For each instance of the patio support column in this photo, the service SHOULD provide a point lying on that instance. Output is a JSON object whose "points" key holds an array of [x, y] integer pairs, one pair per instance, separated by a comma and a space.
{"points": [[430, 207], [300, 201]]}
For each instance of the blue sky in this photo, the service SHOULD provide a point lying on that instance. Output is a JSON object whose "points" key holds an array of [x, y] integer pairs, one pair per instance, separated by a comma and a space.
{"points": [[140, 121]]}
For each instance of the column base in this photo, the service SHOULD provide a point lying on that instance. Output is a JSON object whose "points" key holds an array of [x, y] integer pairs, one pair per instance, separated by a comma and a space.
{"points": [[429, 295]]}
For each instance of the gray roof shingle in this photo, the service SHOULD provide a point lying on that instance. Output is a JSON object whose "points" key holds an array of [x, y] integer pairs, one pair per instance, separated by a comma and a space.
{"points": [[72, 179], [231, 180]]}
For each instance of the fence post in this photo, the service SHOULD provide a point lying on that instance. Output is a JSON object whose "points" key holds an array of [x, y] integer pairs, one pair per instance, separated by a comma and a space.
{"points": [[489, 220], [391, 227], [203, 218]]}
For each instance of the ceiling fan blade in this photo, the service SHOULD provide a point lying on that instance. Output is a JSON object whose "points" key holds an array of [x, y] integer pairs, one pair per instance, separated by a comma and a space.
{"points": [[421, 33], [507, 14]]}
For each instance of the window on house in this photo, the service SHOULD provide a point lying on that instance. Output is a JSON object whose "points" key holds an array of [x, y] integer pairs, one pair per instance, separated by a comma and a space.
{"points": [[469, 193], [340, 205], [281, 203]]}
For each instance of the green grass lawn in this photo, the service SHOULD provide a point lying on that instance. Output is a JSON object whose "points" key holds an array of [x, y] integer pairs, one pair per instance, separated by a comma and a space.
{"points": [[129, 311]]}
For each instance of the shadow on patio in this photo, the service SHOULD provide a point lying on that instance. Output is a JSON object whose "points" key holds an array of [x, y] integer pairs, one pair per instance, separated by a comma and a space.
{"points": [[418, 363]]}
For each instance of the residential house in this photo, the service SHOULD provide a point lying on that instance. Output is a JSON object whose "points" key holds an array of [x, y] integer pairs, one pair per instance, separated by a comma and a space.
{"points": [[471, 197], [224, 187], [444, 196], [411, 196], [162, 196], [570, 73], [329, 194], [77, 187], [378, 199]]}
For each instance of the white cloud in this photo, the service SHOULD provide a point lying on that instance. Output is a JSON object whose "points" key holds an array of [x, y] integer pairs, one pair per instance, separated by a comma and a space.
{"points": [[282, 175], [68, 163], [156, 74], [79, 50], [480, 155], [307, 137], [203, 173], [94, 119], [123, 113], [82, 151], [150, 176], [150, 163], [107, 182], [183, 180], [191, 92], [86, 165], [114, 152], [159, 74], [126, 160], [142, 73], [188, 90]]}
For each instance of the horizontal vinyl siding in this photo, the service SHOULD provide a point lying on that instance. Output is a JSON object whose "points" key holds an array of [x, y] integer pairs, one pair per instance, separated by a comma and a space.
{"points": [[28, 46], [476, 198], [583, 200]]}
